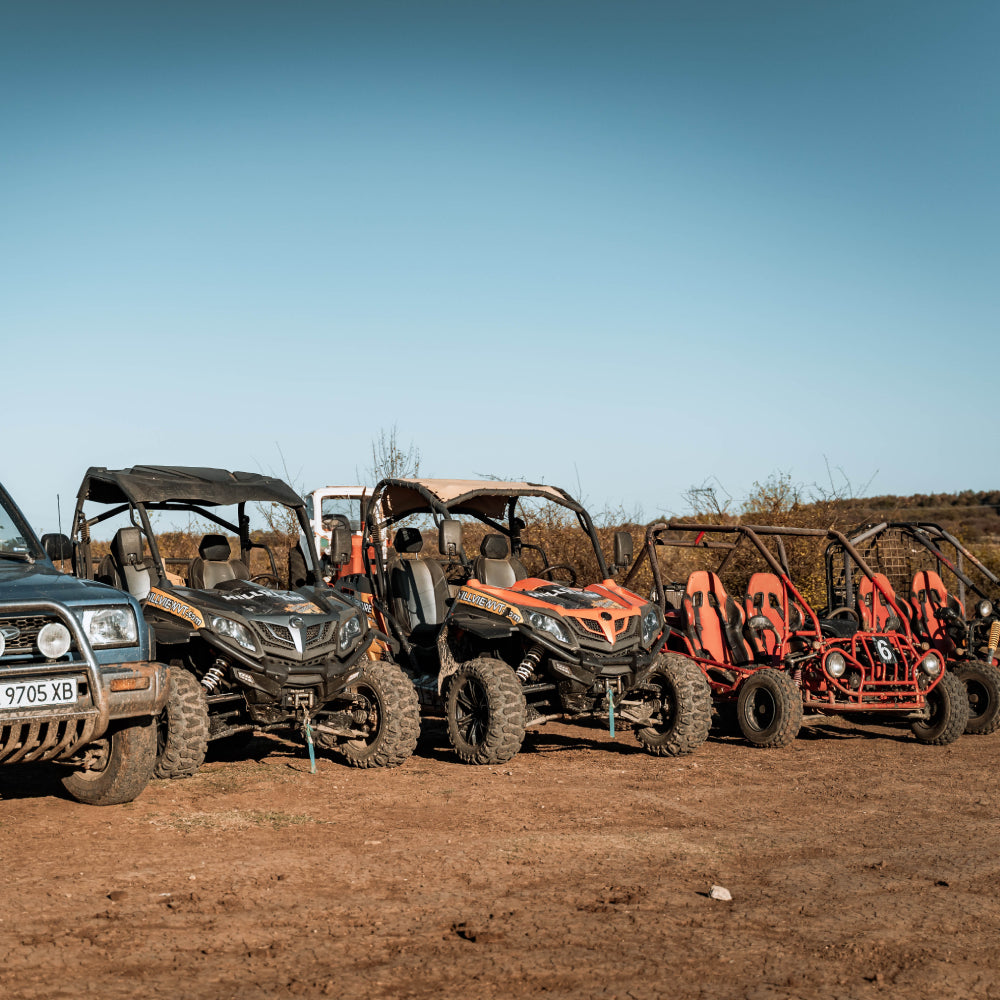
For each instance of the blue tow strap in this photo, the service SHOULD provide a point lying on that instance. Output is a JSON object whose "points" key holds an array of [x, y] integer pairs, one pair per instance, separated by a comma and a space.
{"points": [[312, 752], [611, 710]]}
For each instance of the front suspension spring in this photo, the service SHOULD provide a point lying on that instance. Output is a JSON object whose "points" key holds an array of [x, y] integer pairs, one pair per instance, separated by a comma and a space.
{"points": [[215, 676], [531, 660]]}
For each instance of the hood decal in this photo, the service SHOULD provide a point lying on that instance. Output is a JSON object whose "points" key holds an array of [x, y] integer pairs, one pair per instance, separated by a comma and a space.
{"points": [[172, 606], [570, 598], [490, 604]]}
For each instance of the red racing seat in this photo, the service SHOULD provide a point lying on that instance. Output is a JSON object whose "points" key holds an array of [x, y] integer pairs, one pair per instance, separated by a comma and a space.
{"points": [[875, 613], [714, 621], [767, 595], [928, 595]]}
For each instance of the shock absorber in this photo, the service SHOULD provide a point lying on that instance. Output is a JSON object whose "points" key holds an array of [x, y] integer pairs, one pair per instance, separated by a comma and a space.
{"points": [[214, 677], [531, 660]]}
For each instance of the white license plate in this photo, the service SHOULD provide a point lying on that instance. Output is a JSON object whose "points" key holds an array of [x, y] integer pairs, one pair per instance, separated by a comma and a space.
{"points": [[37, 694]]}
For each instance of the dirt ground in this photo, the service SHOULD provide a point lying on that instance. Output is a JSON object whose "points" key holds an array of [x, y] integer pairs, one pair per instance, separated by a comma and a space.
{"points": [[860, 863]]}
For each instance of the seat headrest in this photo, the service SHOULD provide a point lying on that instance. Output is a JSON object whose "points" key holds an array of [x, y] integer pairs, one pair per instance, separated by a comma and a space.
{"points": [[214, 548], [127, 546], [408, 540], [494, 547]]}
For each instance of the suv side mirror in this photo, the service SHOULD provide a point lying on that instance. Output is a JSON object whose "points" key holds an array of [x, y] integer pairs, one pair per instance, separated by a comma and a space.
{"points": [[623, 549], [57, 547], [341, 545], [450, 538]]}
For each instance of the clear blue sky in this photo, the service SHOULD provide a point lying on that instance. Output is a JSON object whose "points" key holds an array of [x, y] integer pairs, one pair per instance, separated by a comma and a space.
{"points": [[628, 245]]}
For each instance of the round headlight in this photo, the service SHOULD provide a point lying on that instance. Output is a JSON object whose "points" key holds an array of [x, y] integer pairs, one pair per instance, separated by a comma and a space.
{"points": [[984, 609], [54, 640], [931, 664], [835, 664]]}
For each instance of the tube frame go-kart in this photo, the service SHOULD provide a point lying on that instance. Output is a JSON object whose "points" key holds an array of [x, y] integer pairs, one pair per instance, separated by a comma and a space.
{"points": [[769, 656]]}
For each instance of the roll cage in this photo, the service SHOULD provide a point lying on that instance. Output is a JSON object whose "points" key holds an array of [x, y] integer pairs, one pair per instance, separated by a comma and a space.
{"points": [[492, 502], [663, 534], [932, 538], [142, 489]]}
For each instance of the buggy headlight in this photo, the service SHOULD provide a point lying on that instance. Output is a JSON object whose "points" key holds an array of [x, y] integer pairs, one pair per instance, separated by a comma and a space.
{"points": [[835, 664], [984, 609], [544, 623], [652, 623], [349, 631], [53, 640], [235, 631], [931, 664], [109, 626]]}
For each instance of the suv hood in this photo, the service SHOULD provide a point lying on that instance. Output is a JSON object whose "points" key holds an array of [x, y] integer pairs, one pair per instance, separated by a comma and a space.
{"points": [[41, 582]]}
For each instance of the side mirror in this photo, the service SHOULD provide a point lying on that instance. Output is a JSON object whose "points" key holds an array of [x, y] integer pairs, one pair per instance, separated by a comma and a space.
{"points": [[341, 545], [623, 549], [450, 538], [57, 547]]}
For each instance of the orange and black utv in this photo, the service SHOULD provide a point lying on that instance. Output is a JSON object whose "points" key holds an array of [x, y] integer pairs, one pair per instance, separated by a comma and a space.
{"points": [[501, 649]]}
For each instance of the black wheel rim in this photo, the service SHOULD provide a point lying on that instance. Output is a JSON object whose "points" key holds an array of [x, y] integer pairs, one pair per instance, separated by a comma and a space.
{"points": [[472, 711], [979, 698], [760, 711]]}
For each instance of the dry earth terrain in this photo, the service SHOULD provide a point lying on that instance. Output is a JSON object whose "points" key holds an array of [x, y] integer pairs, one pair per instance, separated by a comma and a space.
{"points": [[860, 863]]}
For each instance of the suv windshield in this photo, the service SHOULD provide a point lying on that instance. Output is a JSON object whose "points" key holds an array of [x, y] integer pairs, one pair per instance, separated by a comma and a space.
{"points": [[16, 538]]}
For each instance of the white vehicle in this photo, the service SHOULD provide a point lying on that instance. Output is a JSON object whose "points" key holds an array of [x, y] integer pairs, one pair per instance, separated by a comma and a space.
{"points": [[332, 505]]}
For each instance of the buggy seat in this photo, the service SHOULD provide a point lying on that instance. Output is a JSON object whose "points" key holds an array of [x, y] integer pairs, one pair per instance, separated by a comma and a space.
{"points": [[875, 613], [495, 566], [126, 568], [714, 621], [213, 565], [928, 595], [419, 588], [767, 595]]}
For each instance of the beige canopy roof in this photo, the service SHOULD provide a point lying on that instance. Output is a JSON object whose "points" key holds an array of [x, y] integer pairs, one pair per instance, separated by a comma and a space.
{"points": [[489, 497]]}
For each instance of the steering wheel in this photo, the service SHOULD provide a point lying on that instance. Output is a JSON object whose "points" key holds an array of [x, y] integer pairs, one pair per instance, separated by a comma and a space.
{"points": [[269, 579], [551, 569], [845, 612]]}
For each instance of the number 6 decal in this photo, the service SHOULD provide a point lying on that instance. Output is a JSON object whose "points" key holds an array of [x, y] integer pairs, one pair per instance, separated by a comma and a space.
{"points": [[884, 651]]}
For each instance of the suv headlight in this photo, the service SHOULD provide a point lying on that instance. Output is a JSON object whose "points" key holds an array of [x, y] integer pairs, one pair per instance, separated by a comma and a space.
{"points": [[544, 623], [984, 609], [235, 631], [349, 631], [109, 626], [652, 623]]}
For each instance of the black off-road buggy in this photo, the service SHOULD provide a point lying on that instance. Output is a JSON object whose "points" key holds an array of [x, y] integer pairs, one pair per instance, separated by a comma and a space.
{"points": [[499, 648], [770, 657], [245, 652], [959, 619]]}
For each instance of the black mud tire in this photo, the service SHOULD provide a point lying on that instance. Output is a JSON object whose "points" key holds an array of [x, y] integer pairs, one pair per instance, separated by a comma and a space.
{"points": [[129, 759], [182, 728], [949, 705], [769, 709], [485, 711], [982, 684], [686, 707], [388, 696]]}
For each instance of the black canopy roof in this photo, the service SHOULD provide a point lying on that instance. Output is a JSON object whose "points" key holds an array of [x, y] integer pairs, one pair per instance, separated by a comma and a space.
{"points": [[181, 484]]}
